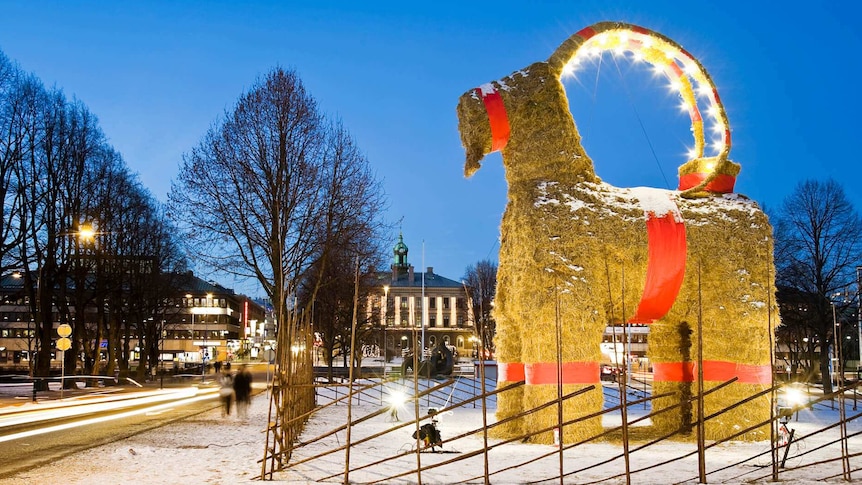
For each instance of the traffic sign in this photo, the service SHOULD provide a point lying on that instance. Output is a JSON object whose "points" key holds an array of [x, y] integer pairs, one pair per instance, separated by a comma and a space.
{"points": [[64, 344], [64, 330]]}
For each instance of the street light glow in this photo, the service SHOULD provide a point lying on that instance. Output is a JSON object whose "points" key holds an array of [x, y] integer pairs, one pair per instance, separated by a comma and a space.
{"points": [[795, 397], [397, 399], [86, 232]]}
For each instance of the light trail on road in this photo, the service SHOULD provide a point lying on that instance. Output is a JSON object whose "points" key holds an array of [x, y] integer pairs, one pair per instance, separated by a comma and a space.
{"points": [[193, 395]]}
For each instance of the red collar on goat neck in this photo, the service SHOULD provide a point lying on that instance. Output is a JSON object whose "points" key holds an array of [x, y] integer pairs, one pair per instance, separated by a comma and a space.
{"points": [[721, 184], [497, 117]]}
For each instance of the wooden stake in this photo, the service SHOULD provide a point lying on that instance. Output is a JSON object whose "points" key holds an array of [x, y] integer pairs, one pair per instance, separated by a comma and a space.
{"points": [[701, 432]]}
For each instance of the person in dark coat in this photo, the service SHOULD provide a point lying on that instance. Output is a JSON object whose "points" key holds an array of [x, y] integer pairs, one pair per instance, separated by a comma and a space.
{"points": [[225, 392], [242, 391]]}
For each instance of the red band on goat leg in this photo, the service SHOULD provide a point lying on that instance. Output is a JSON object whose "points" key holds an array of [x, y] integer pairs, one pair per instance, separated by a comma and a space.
{"points": [[510, 371], [572, 373], [713, 370]]}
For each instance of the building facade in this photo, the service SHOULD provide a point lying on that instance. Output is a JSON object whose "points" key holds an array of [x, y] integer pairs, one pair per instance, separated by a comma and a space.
{"points": [[208, 322], [421, 307], [201, 321]]}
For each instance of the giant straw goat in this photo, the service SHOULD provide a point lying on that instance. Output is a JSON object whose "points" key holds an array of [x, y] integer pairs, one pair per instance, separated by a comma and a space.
{"points": [[577, 255]]}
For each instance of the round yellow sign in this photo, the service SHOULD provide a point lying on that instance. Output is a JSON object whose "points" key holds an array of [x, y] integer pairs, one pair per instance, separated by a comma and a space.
{"points": [[64, 344]]}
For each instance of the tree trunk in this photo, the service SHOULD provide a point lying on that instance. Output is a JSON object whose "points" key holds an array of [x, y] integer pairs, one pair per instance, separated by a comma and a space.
{"points": [[825, 375]]}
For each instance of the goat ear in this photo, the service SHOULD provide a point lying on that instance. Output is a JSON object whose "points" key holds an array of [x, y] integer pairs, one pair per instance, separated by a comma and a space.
{"points": [[475, 130], [472, 165]]}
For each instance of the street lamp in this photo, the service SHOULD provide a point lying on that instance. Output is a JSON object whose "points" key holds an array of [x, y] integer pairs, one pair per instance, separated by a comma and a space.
{"points": [[164, 332], [385, 323], [86, 233], [859, 318], [205, 356], [192, 309]]}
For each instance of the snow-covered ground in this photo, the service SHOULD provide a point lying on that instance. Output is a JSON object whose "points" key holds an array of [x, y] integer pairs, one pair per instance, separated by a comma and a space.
{"points": [[214, 450]]}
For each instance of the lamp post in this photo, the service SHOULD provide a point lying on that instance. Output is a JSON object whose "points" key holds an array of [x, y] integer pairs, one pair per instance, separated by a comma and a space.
{"points": [[838, 367], [164, 333], [205, 355], [385, 324], [422, 305], [858, 330], [192, 309], [859, 318]]}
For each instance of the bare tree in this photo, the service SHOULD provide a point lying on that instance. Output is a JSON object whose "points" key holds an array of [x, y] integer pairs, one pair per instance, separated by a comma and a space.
{"points": [[350, 235], [18, 94], [250, 193], [333, 293], [266, 190], [269, 191], [19, 114], [818, 243], [481, 282], [46, 170], [796, 333], [57, 176]]}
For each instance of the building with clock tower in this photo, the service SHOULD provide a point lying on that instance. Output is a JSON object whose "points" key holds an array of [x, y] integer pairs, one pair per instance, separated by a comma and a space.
{"points": [[413, 306]]}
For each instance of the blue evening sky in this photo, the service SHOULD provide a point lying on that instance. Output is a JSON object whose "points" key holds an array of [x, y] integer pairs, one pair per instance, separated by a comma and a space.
{"points": [[159, 73]]}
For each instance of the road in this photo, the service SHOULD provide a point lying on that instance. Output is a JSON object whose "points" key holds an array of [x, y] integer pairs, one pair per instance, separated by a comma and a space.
{"points": [[36, 434]]}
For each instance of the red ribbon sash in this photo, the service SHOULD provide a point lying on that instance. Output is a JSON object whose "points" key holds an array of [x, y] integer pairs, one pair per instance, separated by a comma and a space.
{"points": [[665, 267], [497, 117]]}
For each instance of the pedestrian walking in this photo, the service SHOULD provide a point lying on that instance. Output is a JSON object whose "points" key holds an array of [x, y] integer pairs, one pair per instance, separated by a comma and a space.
{"points": [[242, 391], [226, 392]]}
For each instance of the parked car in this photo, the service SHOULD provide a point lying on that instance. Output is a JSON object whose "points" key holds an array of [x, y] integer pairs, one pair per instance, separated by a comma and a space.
{"points": [[609, 373]]}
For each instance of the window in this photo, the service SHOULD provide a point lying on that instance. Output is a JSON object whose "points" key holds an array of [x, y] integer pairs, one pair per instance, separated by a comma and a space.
{"points": [[445, 303], [432, 302], [432, 321], [445, 321]]}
